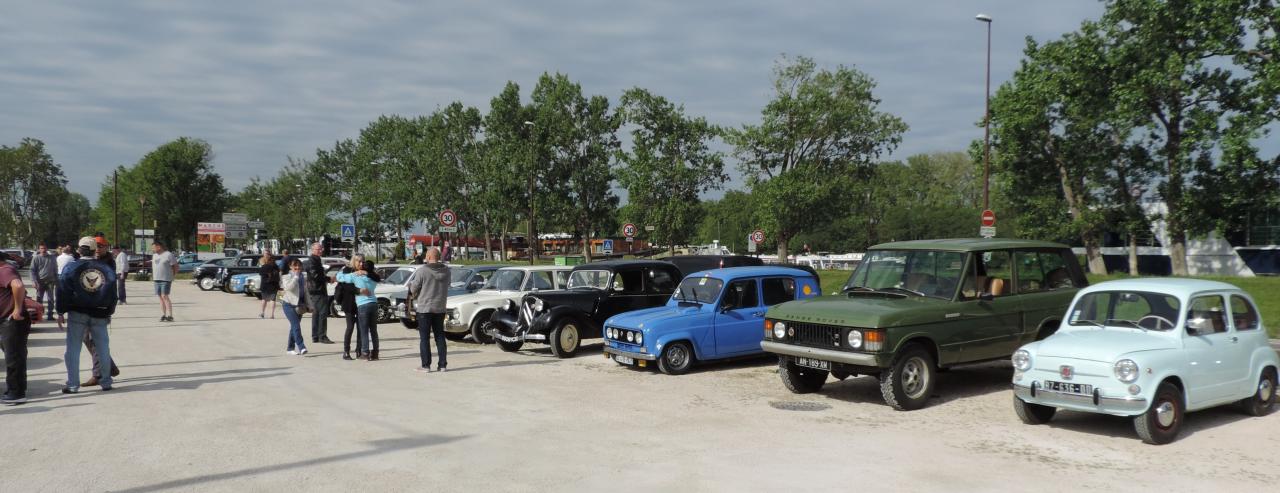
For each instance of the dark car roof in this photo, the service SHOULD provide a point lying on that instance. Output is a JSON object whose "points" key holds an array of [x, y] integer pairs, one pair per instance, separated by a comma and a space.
{"points": [[967, 244], [617, 264]]}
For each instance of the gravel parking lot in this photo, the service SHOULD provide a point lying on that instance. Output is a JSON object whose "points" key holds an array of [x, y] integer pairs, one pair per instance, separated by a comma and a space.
{"points": [[212, 402]]}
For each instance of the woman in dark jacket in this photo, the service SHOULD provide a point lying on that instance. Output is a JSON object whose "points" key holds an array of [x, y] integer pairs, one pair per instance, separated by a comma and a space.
{"points": [[270, 283]]}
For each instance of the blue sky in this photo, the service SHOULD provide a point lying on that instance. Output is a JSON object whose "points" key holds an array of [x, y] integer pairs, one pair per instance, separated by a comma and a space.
{"points": [[103, 83]]}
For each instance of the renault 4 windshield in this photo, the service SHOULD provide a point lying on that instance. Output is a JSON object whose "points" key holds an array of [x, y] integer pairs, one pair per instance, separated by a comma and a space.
{"points": [[702, 290]]}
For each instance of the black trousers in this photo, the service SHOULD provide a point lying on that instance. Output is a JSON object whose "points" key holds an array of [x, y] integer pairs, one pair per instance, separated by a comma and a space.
{"points": [[349, 312], [13, 338], [319, 315], [431, 324]]}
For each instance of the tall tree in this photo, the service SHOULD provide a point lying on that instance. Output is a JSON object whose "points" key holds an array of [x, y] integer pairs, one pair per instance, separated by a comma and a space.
{"points": [[669, 166], [506, 166], [181, 188], [32, 190], [817, 138]]}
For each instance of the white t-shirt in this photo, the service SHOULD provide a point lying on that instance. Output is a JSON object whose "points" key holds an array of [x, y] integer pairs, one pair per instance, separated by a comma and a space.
{"points": [[162, 266], [63, 260], [122, 263]]}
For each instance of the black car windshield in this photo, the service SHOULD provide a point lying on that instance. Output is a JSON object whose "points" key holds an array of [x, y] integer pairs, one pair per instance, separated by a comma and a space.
{"points": [[597, 279], [505, 280], [931, 273], [1133, 309], [703, 290]]}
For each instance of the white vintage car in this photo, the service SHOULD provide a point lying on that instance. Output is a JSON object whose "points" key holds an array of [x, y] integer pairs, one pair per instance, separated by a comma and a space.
{"points": [[468, 313], [1153, 350]]}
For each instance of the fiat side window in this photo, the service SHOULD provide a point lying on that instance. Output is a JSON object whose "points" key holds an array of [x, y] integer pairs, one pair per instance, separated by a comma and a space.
{"points": [[1243, 314], [1207, 315]]}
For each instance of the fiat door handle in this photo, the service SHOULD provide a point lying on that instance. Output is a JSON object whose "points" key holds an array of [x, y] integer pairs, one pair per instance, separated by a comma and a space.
{"points": [[1235, 339]]}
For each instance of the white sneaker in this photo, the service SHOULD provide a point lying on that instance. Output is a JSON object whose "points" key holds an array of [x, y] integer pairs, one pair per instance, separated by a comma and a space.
{"points": [[292, 352], [302, 351]]}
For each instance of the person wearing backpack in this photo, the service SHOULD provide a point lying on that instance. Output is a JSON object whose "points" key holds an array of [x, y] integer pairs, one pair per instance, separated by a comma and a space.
{"points": [[86, 301]]}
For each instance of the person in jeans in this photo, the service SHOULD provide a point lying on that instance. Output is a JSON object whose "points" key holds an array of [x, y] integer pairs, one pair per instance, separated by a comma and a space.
{"points": [[318, 295], [87, 290], [345, 294], [108, 260], [164, 267], [293, 293], [122, 270], [44, 275], [429, 287], [15, 328], [366, 306]]}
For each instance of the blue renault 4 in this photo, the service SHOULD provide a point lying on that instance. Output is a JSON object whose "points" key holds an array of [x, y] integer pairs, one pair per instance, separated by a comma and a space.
{"points": [[713, 314]]}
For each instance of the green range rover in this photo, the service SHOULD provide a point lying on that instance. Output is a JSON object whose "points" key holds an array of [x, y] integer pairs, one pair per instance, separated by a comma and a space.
{"points": [[912, 307]]}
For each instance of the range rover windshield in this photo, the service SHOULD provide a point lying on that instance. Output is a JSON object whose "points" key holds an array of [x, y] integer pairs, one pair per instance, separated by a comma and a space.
{"points": [[505, 280], [1133, 309], [594, 279], [931, 273]]}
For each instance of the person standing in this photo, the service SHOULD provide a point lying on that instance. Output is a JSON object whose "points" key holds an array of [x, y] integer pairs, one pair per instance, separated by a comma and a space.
{"points": [[269, 279], [364, 287], [293, 293], [65, 256], [429, 287], [86, 289], [318, 295], [15, 328], [164, 267], [345, 295], [122, 271], [44, 275], [100, 253]]}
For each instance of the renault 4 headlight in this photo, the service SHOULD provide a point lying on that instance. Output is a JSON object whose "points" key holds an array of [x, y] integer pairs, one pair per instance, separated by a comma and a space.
{"points": [[1022, 360], [639, 338], [1126, 370], [779, 330]]}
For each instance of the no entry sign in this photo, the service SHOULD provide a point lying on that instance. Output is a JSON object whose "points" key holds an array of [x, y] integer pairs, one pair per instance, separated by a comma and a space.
{"points": [[988, 218]]}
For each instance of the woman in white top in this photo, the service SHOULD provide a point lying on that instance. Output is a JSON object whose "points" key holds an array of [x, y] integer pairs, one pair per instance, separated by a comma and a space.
{"points": [[293, 293]]}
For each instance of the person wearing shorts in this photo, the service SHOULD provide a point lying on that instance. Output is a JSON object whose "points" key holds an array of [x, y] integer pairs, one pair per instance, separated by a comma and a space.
{"points": [[164, 267]]}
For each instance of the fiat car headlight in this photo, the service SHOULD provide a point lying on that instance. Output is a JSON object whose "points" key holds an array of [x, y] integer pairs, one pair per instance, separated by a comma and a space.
{"points": [[855, 339], [1022, 360], [1126, 370], [779, 330], [639, 338]]}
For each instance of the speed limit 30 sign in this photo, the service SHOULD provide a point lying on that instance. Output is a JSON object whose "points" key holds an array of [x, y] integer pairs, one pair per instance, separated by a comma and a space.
{"points": [[757, 236]]}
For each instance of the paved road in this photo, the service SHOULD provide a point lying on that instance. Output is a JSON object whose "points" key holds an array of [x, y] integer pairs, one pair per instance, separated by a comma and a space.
{"points": [[212, 403]]}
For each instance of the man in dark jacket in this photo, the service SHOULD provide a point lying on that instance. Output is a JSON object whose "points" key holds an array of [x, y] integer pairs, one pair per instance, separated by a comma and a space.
{"points": [[318, 295], [87, 295]]}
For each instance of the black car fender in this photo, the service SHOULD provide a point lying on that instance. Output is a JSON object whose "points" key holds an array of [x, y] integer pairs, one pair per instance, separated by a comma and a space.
{"points": [[549, 320]]}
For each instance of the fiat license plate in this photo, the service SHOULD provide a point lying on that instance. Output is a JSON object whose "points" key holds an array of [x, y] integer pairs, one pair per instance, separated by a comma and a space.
{"points": [[813, 363], [1068, 388], [624, 360]]}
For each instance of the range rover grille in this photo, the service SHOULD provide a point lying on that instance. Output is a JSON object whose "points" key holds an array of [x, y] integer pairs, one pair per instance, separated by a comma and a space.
{"points": [[815, 335]]}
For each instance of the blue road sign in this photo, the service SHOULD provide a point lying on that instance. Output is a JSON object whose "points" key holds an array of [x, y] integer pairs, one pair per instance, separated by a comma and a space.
{"points": [[607, 247], [348, 231]]}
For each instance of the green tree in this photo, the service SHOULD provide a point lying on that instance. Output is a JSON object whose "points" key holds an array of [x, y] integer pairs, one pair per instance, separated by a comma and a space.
{"points": [[506, 166], [32, 191], [817, 139], [181, 188], [669, 167]]}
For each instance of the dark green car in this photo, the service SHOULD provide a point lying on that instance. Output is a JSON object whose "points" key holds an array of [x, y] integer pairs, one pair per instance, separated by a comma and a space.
{"points": [[912, 307]]}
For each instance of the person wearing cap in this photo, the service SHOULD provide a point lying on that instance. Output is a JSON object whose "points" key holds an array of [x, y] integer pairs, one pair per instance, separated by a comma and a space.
{"points": [[105, 257], [122, 270], [15, 327], [86, 302]]}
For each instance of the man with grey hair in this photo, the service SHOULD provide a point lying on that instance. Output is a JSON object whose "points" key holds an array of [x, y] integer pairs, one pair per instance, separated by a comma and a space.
{"points": [[429, 287], [318, 295]]}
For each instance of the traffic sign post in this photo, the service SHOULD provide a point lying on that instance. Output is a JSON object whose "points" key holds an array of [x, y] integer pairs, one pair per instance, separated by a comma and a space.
{"points": [[629, 230], [757, 236], [348, 232], [448, 221], [607, 247], [988, 229]]}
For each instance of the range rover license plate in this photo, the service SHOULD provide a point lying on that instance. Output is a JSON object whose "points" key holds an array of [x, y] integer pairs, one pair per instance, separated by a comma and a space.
{"points": [[1068, 388], [813, 363], [624, 360]]}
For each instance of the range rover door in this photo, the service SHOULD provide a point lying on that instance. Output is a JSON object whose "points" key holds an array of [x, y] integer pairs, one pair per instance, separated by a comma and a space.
{"points": [[986, 322]]}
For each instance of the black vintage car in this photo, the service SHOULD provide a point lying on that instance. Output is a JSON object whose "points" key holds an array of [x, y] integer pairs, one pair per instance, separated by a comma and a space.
{"points": [[204, 274], [689, 264], [595, 292], [244, 264]]}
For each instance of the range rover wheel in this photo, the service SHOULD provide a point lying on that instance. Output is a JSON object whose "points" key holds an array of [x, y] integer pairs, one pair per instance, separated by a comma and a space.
{"points": [[907, 384], [1263, 399], [1162, 421], [480, 327], [206, 284], [799, 379], [676, 359], [1033, 414], [565, 339]]}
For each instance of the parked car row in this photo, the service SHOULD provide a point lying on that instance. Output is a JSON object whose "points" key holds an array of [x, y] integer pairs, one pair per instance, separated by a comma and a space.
{"points": [[1148, 349]]}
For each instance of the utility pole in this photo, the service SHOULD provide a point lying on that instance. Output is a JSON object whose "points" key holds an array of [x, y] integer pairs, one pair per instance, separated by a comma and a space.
{"points": [[986, 123], [115, 205]]}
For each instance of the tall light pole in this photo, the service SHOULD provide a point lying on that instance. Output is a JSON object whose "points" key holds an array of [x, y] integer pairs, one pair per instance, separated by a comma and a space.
{"points": [[986, 123], [533, 237]]}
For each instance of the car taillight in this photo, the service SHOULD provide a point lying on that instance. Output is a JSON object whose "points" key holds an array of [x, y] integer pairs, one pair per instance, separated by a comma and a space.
{"points": [[873, 340]]}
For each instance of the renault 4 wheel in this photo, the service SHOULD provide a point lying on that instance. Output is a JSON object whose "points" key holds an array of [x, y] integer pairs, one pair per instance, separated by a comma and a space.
{"points": [[1162, 421], [565, 339], [676, 359], [907, 384], [801, 380], [1263, 399], [1033, 414]]}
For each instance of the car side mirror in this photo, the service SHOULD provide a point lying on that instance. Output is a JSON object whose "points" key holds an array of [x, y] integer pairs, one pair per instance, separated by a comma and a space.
{"points": [[986, 297]]}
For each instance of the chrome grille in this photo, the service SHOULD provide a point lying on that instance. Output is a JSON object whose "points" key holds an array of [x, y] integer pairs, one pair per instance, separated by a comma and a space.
{"points": [[815, 335]]}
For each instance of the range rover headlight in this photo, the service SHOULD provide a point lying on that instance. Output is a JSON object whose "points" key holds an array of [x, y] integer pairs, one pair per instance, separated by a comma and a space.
{"points": [[1021, 360], [538, 305], [631, 336], [854, 339], [779, 330], [639, 338], [1126, 370]]}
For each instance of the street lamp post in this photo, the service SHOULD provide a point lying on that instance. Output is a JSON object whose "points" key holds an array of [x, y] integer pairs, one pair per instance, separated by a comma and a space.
{"points": [[533, 237], [986, 123]]}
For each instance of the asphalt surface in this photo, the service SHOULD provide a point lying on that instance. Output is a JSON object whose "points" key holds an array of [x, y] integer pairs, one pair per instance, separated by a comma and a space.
{"points": [[211, 402]]}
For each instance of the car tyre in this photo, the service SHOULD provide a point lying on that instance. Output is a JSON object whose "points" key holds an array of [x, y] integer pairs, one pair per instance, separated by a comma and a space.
{"points": [[1033, 414], [1263, 399], [676, 359], [907, 384], [801, 380], [206, 284], [1163, 420], [509, 347], [566, 338], [385, 314], [409, 324], [480, 327]]}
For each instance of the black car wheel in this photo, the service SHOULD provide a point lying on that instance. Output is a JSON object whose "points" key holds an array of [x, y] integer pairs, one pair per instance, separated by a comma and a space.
{"points": [[907, 384], [480, 327], [509, 347], [1263, 399], [1163, 420], [1033, 414], [565, 338], [800, 380], [676, 359], [409, 324], [206, 284], [385, 314]]}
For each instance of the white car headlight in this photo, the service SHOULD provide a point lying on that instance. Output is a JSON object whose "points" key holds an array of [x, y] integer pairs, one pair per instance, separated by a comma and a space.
{"points": [[1021, 360], [779, 330], [509, 305], [639, 338], [631, 336], [855, 339], [538, 305], [1126, 370]]}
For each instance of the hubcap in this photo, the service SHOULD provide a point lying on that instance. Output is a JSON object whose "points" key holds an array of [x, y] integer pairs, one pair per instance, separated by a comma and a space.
{"points": [[677, 356], [569, 337], [915, 377], [1165, 414], [1265, 390]]}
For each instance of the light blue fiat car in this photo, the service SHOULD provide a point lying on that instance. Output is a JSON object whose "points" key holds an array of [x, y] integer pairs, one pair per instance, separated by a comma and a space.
{"points": [[1153, 350]]}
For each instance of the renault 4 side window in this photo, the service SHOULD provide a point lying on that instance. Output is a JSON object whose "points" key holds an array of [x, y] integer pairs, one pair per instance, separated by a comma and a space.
{"points": [[777, 290], [739, 295]]}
